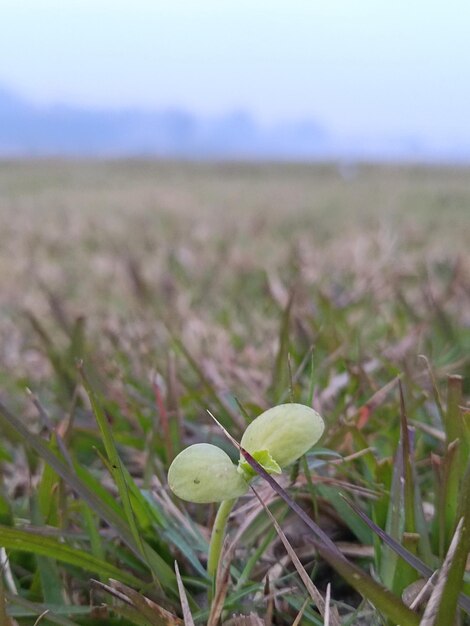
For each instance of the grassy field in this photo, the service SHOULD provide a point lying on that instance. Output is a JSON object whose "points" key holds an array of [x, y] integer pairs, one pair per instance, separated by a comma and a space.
{"points": [[183, 288]]}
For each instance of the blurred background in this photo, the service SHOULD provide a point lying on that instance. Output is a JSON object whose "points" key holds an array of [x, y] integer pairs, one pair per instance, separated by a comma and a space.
{"points": [[199, 162], [258, 80]]}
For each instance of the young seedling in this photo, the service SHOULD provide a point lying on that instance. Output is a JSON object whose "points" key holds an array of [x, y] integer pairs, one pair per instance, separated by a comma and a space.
{"points": [[204, 473]]}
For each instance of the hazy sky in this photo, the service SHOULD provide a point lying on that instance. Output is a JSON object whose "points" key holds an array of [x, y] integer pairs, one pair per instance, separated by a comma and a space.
{"points": [[355, 65]]}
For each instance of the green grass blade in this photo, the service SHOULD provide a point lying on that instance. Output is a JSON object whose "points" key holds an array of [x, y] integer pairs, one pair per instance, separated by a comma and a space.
{"points": [[159, 567], [93, 485], [455, 459], [280, 376], [331, 495], [395, 522], [91, 527], [20, 607], [449, 494], [4, 619], [48, 570], [47, 493], [45, 510], [453, 416], [407, 451], [27, 541], [404, 573], [453, 581], [116, 466], [64, 371]]}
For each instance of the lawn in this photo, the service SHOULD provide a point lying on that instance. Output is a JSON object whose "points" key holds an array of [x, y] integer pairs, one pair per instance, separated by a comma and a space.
{"points": [[138, 296]]}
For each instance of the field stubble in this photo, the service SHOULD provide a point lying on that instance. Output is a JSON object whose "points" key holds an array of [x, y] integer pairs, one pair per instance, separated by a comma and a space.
{"points": [[221, 247]]}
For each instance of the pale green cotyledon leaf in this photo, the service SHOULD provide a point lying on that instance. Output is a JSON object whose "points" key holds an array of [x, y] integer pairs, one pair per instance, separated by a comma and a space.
{"points": [[287, 431], [204, 473]]}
